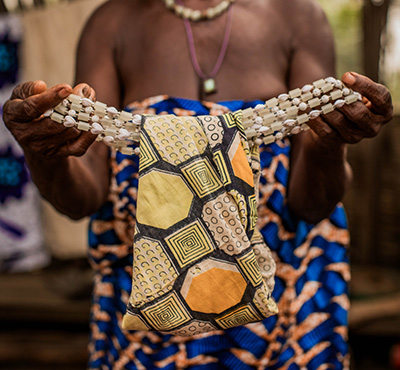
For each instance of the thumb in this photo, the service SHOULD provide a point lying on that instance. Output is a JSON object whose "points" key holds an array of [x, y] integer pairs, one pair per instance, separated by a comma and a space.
{"points": [[27, 89], [34, 106], [377, 94]]}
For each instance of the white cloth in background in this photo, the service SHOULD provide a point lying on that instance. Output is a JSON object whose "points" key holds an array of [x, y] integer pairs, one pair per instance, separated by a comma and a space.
{"points": [[50, 39]]}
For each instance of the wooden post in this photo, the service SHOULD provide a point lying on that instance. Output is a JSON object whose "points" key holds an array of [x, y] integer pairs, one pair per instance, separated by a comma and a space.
{"points": [[374, 26]]}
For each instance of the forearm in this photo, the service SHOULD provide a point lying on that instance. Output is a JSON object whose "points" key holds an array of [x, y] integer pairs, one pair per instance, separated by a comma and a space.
{"points": [[68, 184], [318, 178]]}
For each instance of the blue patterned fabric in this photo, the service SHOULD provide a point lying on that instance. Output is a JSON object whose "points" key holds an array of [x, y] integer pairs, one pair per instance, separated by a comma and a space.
{"points": [[310, 331]]}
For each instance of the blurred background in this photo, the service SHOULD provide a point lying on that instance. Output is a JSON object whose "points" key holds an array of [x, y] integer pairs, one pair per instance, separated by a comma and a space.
{"points": [[45, 280]]}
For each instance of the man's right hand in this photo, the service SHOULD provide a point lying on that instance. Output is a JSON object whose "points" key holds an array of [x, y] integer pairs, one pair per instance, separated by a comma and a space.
{"points": [[39, 135]]}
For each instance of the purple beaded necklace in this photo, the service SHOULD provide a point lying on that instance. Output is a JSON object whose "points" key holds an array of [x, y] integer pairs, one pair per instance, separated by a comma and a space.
{"points": [[208, 80]]}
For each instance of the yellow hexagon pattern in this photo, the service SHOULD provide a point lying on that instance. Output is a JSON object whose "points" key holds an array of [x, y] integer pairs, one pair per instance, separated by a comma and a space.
{"points": [[177, 139], [163, 199]]}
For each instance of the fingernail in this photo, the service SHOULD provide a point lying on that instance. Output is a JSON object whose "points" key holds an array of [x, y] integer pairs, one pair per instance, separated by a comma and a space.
{"points": [[63, 93], [349, 79]]}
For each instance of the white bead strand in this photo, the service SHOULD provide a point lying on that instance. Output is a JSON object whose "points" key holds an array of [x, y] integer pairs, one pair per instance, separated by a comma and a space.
{"points": [[279, 117]]}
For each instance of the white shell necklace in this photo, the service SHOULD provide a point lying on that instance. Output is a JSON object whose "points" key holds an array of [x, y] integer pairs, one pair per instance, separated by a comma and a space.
{"points": [[198, 15]]}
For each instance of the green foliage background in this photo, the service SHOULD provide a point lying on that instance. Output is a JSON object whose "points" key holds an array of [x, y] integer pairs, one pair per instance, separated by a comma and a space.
{"points": [[345, 19]]}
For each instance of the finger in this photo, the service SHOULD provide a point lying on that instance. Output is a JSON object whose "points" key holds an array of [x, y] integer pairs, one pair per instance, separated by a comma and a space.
{"points": [[26, 89], [324, 131], [78, 146], [335, 128], [50, 140], [34, 106], [80, 89], [367, 103], [365, 100], [85, 90], [359, 115], [377, 94], [348, 130], [90, 93]]}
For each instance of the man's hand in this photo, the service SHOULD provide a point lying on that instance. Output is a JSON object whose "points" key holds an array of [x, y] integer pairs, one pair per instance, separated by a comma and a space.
{"points": [[39, 135], [354, 122]]}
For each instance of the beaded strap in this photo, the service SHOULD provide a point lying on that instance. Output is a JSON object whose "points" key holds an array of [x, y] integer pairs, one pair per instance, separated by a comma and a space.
{"points": [[279, 117]]}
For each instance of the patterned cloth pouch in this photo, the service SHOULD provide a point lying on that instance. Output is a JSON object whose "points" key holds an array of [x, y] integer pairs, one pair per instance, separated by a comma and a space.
{"points": [[199, 264]]}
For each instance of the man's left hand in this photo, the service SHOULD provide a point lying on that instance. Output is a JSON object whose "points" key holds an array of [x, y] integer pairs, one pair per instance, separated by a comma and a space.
{"points": [[354, 122]]}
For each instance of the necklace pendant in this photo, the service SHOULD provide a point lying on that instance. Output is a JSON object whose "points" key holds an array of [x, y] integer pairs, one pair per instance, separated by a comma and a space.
{"points": [[209, 86]]}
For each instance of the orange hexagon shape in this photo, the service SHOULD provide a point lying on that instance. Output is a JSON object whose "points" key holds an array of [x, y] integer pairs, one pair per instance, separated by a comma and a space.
{"points": [[215, 290]]}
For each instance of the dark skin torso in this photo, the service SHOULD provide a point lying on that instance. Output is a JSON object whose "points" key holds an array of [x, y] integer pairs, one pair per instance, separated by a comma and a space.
{"points": [[151, 52], [254, 67], [134, 49]]}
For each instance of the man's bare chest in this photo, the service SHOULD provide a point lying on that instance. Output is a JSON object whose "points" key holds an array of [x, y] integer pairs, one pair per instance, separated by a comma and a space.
{"points": [[157, 60]]}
